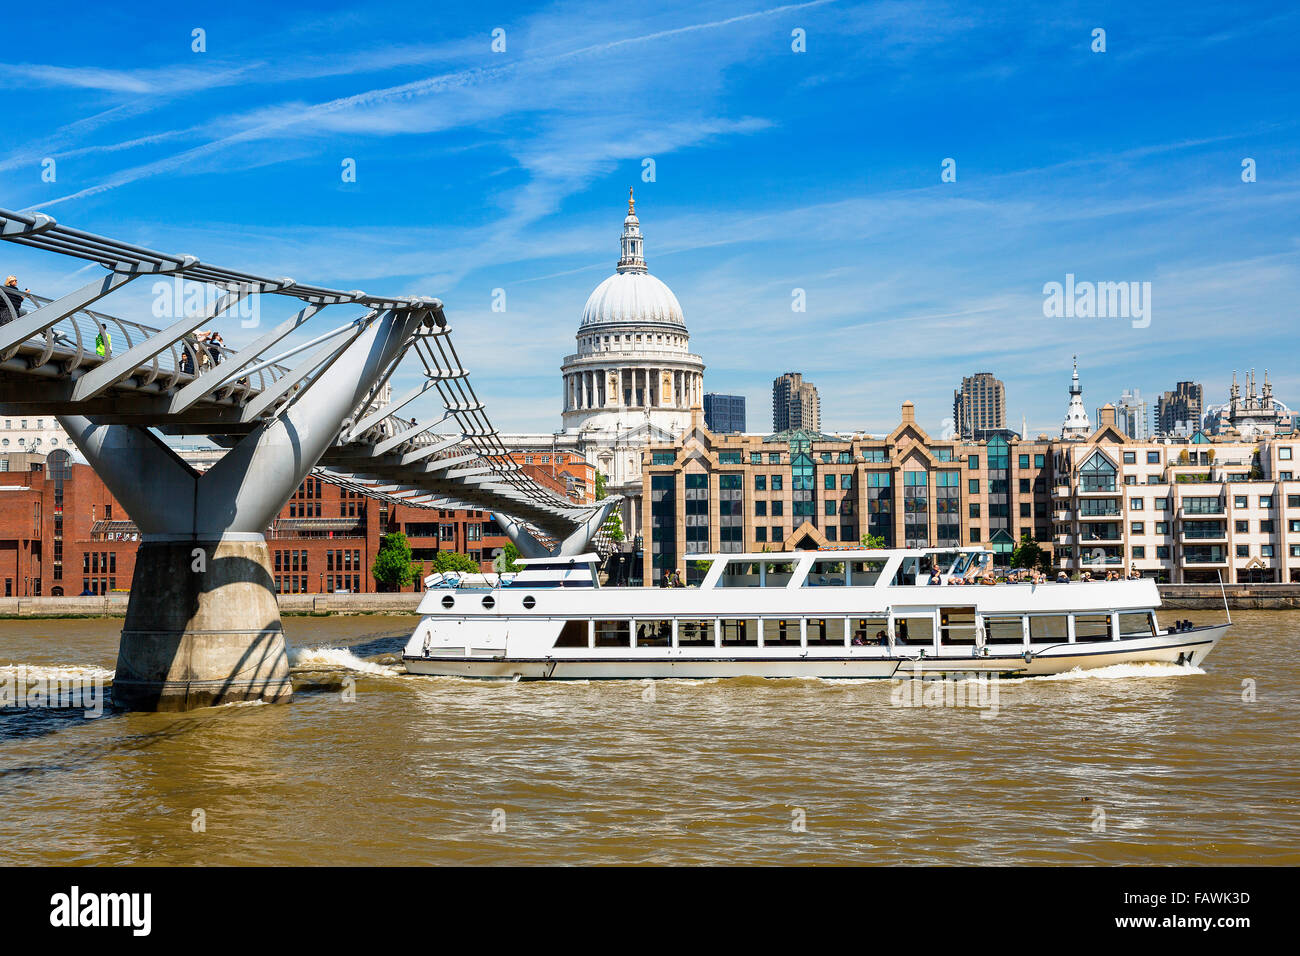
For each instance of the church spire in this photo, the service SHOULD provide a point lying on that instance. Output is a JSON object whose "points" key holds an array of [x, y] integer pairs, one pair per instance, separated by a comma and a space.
{"points": [[1076, 426], [633, 259]]}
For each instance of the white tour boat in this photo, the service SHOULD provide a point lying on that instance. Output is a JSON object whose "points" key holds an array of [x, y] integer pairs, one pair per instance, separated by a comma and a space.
{"points": [[846, 614]]}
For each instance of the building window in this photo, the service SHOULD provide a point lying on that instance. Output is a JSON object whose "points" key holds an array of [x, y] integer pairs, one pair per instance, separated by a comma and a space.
{"points": [[973, 486], [760, 482], [846, 482], [1243, 551], [830, 508], [760, 509], [1130, 458], [1135, 504], [1139, 552], [828, 482], [1138, 527], [1153, 458], [974, 509], [1239, 501], [1266, 502], [973, 462], [1284, 453], [776, 483]]}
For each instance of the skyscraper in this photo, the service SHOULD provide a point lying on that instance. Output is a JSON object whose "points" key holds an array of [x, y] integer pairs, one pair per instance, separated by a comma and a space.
{"points": [[979, 405], [795, 404], [1132, 415], [1180, 410], [724, 414]]}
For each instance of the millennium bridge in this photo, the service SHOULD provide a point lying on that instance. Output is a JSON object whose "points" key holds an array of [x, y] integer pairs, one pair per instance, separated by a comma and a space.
{"points": [[203, 625]]}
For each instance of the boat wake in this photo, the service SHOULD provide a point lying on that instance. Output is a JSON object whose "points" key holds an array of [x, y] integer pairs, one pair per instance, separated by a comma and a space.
{"points": [[309, 659], [1124, 671]]}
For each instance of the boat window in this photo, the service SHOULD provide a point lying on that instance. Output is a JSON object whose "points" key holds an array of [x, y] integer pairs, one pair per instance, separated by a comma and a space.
{"points": [[1048, 627], [778, 632], [613, 633], [1003, 630], [778, 574], [957, 625], [1092, 627], [654, 633], [907, 571], [870, 630], [739, 574], [825, 574], [573, 634], [826, 631], [914, 630], [1136, 624], [695, 634], [864, 574], [739, 633]]}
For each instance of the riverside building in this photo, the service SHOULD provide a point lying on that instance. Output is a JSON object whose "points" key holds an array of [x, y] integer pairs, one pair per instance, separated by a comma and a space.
{"points": [[1180, 512]]}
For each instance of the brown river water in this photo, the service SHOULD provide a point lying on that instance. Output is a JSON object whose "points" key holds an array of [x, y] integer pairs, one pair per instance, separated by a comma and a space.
{"points": [[368, 765]]}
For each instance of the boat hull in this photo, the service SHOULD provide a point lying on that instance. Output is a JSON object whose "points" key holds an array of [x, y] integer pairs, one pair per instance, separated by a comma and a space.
{"points": [[1190, 647]]}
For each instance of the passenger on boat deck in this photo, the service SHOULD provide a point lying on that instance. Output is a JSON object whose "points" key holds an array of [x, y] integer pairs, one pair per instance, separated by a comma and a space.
{"points": [[677, 579], [668, 579], [882, 638], [859, 640], [935, 577], [1062, 577], [1086, 576]]}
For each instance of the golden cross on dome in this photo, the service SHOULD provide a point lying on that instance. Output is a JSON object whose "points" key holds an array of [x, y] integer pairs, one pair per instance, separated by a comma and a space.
{"points": [[631, 203]]}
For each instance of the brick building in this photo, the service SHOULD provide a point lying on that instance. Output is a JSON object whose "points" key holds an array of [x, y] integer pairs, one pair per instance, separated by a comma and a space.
{"points": [[63, 533], [1179, 511]]}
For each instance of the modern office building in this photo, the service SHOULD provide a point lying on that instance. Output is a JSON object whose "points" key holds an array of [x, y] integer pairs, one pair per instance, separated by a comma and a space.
{"points": [[1132, 415], [1178, 413], [795, 404], [724, 414], [979, 406], [1180, 512]]}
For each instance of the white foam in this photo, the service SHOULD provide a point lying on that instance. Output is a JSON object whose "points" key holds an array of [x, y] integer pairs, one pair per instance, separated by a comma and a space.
{"points": [[336, 658], [1122, 671], [33, 672]]}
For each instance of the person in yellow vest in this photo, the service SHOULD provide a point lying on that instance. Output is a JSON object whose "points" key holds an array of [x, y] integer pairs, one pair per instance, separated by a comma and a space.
{"points": [[103, 342]]}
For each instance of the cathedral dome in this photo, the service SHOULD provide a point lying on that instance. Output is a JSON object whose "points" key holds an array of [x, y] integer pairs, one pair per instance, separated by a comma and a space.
{"points": [[632, 297]]}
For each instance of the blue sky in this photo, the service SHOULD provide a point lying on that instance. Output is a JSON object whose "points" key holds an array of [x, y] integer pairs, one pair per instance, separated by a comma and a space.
{"points": [[774, 170]]}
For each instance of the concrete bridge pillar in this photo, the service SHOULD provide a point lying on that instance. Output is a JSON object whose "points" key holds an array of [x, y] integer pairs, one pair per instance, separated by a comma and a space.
{"points": [[203, 624]]}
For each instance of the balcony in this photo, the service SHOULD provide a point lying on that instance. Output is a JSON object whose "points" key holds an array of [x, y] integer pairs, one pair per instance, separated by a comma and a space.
{"points": [[1201, 511], [1060, 491], [1201, 556], [1063, 539], [1110, 514], [1202, 537], [1062, 516], [1086, 491]]}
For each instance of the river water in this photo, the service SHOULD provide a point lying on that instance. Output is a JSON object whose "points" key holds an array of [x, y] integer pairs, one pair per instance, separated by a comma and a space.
{"points": [[368, 765]]}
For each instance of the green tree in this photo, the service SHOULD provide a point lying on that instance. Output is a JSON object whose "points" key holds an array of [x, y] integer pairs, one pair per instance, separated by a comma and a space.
{"points": [[1027, 554], [600, 486], [448, 561], [873, 541], [393, 568]]}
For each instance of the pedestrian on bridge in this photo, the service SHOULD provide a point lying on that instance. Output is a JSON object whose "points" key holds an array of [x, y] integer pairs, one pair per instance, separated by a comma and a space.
{"points": [[104, 342], [11, 305]]}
